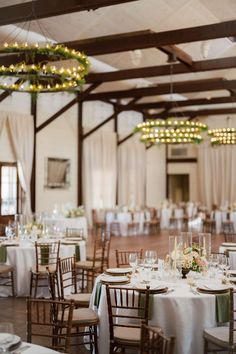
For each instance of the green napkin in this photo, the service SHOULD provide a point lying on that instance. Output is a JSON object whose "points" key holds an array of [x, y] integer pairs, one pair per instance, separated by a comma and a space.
{"points": [[222, 308], [77, 253], [98, 294], [3, 254], [45, 254], [142, 303]]}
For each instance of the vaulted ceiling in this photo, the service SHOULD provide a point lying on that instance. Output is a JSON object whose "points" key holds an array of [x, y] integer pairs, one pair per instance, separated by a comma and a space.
{"points": [[137, 40]]}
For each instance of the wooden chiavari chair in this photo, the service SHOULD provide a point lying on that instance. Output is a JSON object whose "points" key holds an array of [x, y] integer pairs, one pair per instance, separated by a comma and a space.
{"points": [[50, 322], [122, 257], [6, 271], [154, 342], [222, 338]]}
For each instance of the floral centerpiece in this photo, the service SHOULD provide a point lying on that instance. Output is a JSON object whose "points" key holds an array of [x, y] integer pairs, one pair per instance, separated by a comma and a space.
{"points": [[75, 212], [193, 258], [34, 228]]}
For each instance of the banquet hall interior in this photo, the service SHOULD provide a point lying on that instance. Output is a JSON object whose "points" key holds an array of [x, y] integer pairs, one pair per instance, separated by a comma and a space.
{"points": [[118, 167]]}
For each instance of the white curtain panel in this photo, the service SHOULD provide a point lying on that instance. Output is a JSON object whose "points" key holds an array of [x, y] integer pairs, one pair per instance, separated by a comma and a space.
{"points": [[3, 118], [131, 173], [99, 171], [22, 137], [217, 173]]}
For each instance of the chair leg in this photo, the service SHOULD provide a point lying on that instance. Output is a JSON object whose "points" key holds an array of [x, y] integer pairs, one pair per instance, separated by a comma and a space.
{"points": [[31, 284], [12, 284], [35, 286], [95, 340], [205, 346]]}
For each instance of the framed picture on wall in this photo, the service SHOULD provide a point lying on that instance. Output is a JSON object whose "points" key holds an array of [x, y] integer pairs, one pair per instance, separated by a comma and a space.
{"points": [[57, 173]]}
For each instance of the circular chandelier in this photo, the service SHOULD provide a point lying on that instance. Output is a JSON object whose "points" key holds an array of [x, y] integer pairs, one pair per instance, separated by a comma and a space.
{"points": [[41, 68], [223, 136], [170, 131]]}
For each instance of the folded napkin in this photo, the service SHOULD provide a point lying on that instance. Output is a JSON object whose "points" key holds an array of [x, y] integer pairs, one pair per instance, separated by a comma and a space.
{"points": [[98, 292], [45, 254], [142, 303], [222, 308], [77, 253], [3, 254]]}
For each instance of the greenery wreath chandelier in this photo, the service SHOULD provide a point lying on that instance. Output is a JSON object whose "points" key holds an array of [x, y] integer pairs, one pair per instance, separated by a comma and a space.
{"points": [[39, 68], [170, 131], [222, 136]]}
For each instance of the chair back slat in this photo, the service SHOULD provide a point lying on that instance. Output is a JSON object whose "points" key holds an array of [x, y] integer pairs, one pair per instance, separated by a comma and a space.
{"points": [[66, 276]]}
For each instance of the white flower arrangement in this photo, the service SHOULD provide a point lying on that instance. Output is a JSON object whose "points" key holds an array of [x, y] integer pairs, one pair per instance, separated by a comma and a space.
{"points": [[75, 212]]}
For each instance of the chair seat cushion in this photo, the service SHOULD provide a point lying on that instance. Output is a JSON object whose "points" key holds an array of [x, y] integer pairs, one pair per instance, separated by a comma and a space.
{"points": [[44, 269], [87, 264], [81, 299], [84, 316], [129, 334], [218, 336], [4, 268]]}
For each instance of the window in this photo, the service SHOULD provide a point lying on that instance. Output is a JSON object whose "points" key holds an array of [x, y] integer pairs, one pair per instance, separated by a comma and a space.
{"points": [[57, 174], [10, 188]]}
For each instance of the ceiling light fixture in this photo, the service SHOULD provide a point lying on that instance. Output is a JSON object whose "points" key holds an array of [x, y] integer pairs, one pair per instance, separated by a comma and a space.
{"points": [[41, 68], [223, 136], [170, 131]]}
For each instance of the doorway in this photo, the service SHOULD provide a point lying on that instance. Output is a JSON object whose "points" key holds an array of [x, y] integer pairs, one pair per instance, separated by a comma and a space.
{"points": [[178, 188]]}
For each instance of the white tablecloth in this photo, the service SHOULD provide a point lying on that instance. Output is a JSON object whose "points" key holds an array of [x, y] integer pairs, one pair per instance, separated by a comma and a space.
{"points": [[22, 258], [35, 349], [62, 223], [179, 313], [124, 218]]}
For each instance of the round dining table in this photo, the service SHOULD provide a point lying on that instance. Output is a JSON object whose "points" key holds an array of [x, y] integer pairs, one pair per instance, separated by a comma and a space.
{"points": [[21, 255], [180, 312]]}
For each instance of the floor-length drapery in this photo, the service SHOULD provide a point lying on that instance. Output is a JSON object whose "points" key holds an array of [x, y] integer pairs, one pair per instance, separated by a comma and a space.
{"points": [[99, 171], [131, 173], [217, 173], [3, 118], [22, 138]]}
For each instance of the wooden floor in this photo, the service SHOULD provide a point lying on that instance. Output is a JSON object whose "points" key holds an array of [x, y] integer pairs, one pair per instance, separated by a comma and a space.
{"points": [[14, 309]]}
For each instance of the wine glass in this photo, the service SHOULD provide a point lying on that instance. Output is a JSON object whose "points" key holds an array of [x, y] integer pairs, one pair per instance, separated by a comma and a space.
{"points": [[6, 336], [10, 231], [133, 257], [150, 257]]}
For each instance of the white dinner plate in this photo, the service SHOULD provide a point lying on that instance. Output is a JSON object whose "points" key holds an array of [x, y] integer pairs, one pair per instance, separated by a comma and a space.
{"points": [[114, 280], [154, 288], [118, 271], [14, 341], [228, 244], [72, 239], [213, 288]]}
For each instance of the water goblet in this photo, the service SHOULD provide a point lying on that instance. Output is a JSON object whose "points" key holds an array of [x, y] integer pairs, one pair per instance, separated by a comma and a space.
{"points": [[150, 257], [6, 336], [10, 231], [133, 257]]}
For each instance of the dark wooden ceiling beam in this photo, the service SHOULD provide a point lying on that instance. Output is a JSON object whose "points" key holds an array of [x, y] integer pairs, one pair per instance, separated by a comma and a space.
{"points": [[162, 70], [177, 53], [80, 97], [191, 102], [134, 40], [43, 9], [192, 114], [179, 87]]}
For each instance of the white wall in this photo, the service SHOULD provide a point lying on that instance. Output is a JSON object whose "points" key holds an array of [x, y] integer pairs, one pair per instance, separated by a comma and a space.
{"points": [[58, 140]]}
